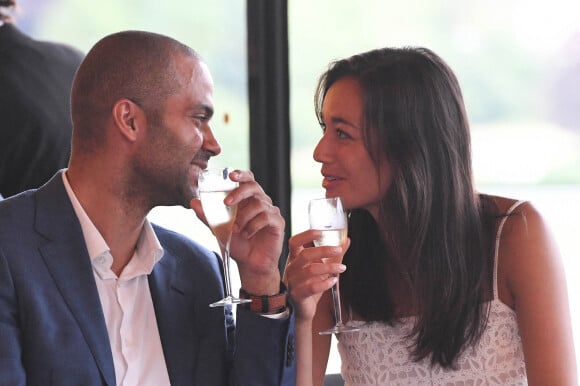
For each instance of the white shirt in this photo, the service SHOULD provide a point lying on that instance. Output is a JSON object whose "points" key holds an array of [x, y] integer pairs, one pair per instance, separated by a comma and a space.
{"points": [[127, 304]]}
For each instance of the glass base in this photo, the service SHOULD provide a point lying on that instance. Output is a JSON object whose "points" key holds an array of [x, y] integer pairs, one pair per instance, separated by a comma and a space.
{"points": [[229, 300], [339, 329]]}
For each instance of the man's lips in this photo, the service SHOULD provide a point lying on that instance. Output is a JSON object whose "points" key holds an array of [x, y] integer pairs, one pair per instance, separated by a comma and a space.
{"points": [[201, 159], [200, 164]]}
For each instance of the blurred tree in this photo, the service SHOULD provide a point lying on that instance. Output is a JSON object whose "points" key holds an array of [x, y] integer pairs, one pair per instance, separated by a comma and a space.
{"points": [[565, 89]]}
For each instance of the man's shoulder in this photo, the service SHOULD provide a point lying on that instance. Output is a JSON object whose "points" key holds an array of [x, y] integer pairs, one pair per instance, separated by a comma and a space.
{"points": [[18, 48], [16, 205]]}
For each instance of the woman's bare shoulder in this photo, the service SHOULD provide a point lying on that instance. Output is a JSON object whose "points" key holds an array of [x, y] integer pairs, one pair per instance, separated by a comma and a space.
{"points": [[526, 246], [521, 217]]}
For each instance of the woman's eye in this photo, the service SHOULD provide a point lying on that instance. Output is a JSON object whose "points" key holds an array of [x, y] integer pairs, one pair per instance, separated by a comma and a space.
{"points": [[341, 134]]}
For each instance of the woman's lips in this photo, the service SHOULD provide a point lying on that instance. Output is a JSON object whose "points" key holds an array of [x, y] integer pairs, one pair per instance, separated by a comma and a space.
{"points": [[330, 181]]}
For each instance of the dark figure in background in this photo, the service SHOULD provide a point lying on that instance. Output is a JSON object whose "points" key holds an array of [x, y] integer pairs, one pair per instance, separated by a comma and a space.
{"points": [[35, 123]]}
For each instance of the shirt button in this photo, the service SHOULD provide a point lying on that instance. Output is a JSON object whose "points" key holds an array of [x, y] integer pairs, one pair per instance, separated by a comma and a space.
{"points": [[100, 259]]}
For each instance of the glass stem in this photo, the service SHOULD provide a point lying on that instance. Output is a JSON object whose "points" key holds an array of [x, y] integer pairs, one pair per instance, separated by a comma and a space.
{"points": [[227, 270], [336, 302]]}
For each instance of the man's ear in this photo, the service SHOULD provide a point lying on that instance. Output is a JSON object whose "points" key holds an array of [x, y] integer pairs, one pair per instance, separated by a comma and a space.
{"points": [[128, 117]]}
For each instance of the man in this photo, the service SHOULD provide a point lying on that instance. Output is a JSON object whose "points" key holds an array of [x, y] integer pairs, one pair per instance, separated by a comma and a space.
{"points": [[35, 124], [90, 292]]}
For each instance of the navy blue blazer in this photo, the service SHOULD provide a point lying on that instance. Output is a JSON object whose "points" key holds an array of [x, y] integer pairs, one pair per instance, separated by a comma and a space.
{"points": [[52, 329]]}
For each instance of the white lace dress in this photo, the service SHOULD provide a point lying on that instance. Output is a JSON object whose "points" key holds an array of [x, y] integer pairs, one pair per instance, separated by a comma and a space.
{"points": [[377, 354]]}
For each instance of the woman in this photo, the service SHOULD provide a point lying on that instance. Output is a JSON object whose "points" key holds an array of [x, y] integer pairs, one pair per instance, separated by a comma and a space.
{"points": [[447, 285]]}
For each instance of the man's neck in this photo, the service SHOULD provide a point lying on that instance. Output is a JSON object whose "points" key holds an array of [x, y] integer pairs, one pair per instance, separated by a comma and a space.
{"points": [[119, 223]]}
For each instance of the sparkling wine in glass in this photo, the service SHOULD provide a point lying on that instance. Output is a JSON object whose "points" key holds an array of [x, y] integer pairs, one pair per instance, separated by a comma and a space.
{"points": [[214, 185], [328, 216]]}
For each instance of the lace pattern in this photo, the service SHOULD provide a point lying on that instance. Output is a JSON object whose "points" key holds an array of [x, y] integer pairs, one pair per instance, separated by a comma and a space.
{"points": [[378, 355]]}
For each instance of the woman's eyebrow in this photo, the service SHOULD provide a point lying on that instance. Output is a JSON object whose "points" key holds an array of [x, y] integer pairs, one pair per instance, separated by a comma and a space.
{"points": [[335, 120]]}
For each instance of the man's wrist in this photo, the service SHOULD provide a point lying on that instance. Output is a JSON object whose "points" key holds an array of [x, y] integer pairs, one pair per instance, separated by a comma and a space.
{"points": [[266, 304], [260, 283]]}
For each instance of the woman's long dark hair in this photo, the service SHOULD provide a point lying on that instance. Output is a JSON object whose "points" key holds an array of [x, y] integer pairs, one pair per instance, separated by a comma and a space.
{"points": [[432, 224]]}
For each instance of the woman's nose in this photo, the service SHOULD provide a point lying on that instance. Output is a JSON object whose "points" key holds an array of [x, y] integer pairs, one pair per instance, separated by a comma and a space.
{"points": [[321, 151]]}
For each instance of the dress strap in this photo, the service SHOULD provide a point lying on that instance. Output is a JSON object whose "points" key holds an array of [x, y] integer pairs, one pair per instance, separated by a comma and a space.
{"points": [[497, 239]]}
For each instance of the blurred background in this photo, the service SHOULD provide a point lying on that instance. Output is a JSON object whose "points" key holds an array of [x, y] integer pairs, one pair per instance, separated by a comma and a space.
{"points": [[518, 63]]}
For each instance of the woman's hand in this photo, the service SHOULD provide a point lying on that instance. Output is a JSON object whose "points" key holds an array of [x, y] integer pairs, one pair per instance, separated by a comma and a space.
{"points": [[310, 271]]}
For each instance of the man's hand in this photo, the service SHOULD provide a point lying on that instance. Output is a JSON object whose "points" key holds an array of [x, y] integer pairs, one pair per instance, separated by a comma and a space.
{"points": [[257, 237]]}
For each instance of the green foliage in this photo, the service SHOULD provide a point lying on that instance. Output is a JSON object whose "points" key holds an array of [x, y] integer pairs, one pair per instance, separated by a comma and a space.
{"points": [[494, 47], [217, 30], [503, 72]]}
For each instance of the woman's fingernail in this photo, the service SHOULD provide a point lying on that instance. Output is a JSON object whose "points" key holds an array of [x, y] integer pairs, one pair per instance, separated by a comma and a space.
{"points": [[342, 267]]}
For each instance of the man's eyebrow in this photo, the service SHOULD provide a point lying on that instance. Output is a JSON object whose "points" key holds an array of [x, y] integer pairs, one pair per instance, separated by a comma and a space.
{"points": [[208, 110]]}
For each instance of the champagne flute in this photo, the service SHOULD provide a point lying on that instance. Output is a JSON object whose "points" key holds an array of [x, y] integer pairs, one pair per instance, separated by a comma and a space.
{"points": [[214, 185], [328, 216]]}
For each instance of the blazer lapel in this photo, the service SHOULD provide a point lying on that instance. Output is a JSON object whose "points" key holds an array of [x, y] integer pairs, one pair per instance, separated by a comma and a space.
{"points": [[66, 257], [174, 314], [182, 285]]}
